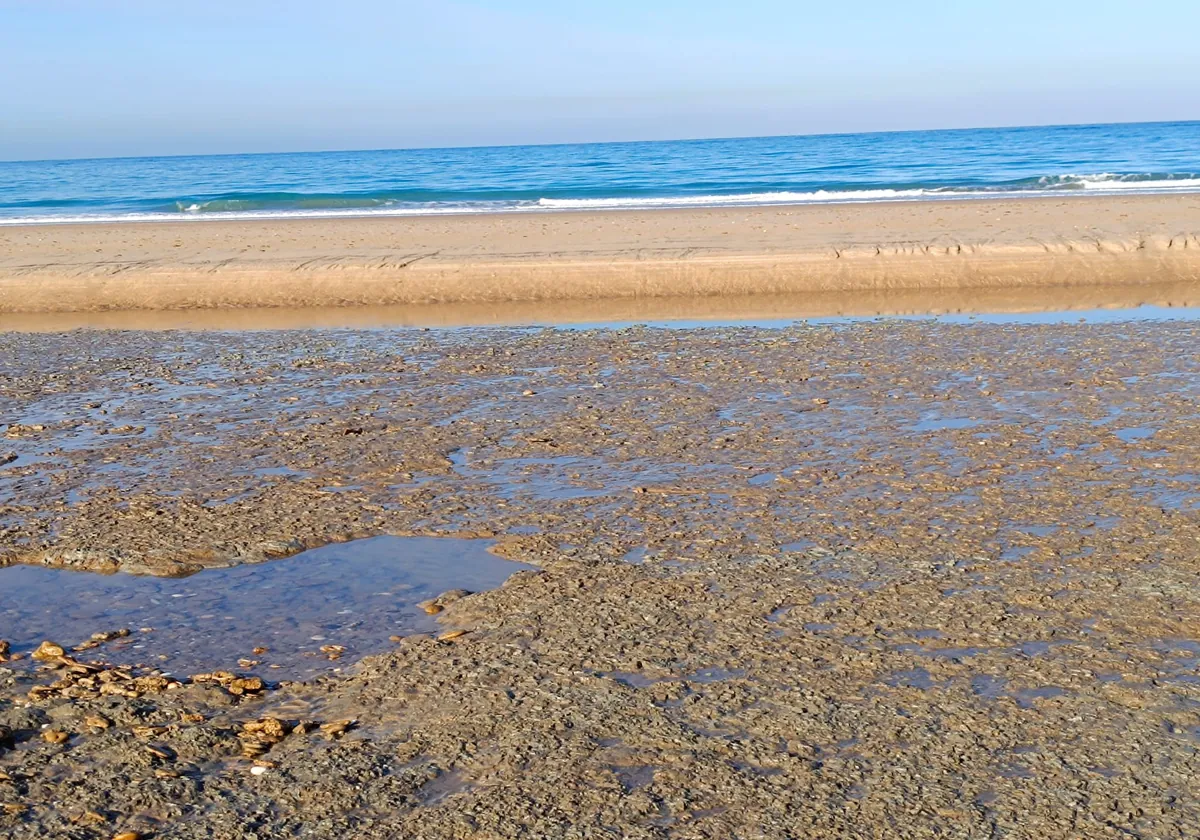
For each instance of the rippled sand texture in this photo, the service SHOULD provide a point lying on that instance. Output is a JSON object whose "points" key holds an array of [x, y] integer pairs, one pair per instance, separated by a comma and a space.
{"points": [[879, 580], [1077, 241]]}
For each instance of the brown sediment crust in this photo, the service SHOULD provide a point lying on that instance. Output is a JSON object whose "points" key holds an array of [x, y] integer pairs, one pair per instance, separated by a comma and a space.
{"points": [[881, 580], [1131, 241]]}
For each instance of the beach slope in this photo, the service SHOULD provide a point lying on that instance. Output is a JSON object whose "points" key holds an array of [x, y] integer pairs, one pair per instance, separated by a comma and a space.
{"points": [[278, 262]]}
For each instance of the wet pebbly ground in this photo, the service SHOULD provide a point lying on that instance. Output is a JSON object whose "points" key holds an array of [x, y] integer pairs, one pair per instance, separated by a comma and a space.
{"points": [[877, 580]]}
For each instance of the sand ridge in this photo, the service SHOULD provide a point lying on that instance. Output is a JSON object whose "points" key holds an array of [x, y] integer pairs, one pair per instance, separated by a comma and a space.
{"points": [[1071, 241]]}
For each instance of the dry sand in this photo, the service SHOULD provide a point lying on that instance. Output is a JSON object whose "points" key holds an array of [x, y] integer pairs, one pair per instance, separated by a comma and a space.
{"points": [[1129, 241]]}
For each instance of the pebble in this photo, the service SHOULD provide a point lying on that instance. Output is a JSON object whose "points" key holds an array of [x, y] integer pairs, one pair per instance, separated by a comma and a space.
{"points": [[47, 651]]}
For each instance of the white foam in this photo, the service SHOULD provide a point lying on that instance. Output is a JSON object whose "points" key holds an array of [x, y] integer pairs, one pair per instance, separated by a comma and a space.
{"points": [[245, 215], [745, 199], [1168, 185], [1093, 184], [1113, 182]]}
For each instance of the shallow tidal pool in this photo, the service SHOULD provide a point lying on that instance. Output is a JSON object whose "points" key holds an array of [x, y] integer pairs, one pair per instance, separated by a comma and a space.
{"points": [[348, 598]]}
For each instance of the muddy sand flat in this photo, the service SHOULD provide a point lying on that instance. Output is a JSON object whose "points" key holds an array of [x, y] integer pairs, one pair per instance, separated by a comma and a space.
{"points": [[874, 580]]}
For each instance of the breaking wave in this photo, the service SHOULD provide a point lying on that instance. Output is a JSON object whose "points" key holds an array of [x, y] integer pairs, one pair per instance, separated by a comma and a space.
{"points": [[430, 203]]}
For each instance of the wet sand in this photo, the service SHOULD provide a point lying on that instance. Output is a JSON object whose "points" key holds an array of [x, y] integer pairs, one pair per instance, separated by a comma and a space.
{"points": [[487, 259], [878, 579], [608, 311]]}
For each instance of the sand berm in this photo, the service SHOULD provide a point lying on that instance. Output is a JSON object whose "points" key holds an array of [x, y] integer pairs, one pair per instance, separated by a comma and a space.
{"points": [[1069, 241]]}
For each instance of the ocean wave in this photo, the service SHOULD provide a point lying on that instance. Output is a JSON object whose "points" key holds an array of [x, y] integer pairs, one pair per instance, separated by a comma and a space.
{"points": [[742, 199], [1115, 182], [273, 201], [1144, 186], [248, 206]]}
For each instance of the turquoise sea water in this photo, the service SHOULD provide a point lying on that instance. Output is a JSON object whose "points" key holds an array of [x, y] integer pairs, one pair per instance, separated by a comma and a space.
{"points": [[929, 165]]}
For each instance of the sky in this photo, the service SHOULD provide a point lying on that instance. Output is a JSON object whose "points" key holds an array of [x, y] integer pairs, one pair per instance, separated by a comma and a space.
{"points": [[99, 78]]}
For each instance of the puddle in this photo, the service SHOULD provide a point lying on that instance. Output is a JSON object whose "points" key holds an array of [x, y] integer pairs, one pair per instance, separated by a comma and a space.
{"points": [[636, 556], [633, 679], [941, 424], [442, 787], [913, 678], [1016, 771], [1134, 433], [778, 613], [819, 627], [634, 777], [560, 478], [1027, 697], [712, 675], [756, 769], [1032, 649], [988, 686], [951, 653], [354, 595]]}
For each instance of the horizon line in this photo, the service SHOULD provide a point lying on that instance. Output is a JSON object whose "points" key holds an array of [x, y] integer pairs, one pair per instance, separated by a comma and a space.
{"points": [[474, 146]]}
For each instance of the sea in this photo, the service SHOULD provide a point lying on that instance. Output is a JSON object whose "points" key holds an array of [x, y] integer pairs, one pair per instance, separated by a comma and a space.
{"points": [[1118, 159]]}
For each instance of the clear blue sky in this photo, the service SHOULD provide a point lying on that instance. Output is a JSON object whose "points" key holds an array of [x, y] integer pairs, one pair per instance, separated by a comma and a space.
{"points": [[131, 77]]}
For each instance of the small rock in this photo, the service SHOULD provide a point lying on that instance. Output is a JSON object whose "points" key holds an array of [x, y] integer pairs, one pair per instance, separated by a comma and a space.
{"points": [[449, 597], [249, 685], [16, 430], [55, 736], [48, 651], [337, 728], [109, 635]]}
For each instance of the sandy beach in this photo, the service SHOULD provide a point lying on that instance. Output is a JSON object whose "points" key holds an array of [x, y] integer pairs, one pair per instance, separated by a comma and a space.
{"points": [[569, 256], [599, 421]]}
